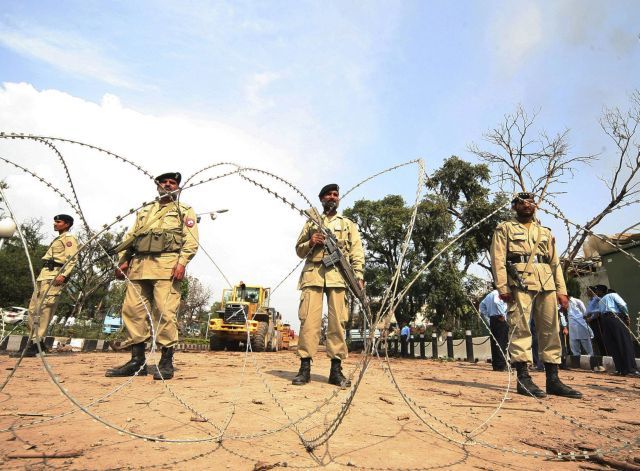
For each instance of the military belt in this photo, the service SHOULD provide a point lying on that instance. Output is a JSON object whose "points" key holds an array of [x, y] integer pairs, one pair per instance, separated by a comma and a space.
{"points": [[518, 258], [156, 253]]}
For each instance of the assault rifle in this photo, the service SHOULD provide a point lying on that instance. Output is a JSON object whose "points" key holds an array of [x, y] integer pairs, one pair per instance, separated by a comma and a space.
{"points": [[335, 257]]}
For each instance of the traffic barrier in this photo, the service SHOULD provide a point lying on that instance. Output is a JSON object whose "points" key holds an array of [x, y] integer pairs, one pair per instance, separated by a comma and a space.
{"points": [[450, 345]]}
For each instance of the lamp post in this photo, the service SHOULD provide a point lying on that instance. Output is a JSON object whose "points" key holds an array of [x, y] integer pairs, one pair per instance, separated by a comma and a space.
{"points": [[7, 229], [212, 214]]}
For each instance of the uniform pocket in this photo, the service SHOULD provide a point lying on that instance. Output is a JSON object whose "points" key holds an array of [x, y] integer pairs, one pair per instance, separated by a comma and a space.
{"points": [[309, 274], [518, 243], [303, 309]]}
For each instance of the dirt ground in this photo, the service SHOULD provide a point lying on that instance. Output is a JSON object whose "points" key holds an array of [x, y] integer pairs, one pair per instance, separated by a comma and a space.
{"points": [[253, 403]]}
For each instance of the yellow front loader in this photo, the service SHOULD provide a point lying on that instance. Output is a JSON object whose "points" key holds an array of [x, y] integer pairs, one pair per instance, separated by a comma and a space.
{"points": [[245, 316]]}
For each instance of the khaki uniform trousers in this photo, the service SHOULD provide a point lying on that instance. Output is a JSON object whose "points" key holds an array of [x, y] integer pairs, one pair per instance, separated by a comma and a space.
{"points": [[310, 315], [161, 298], [543, 306], [45, 301]]}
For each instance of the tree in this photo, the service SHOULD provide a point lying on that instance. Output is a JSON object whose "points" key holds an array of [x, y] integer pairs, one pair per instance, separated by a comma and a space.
{"points": [[539, 163], [461, 200], [624, 182], [16, 285], [526, 160], [193, 305], [90, 282], [464, 188]]}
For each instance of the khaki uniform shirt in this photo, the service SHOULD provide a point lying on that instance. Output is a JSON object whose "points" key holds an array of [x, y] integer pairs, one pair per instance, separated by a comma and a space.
{"points": [[314, 272], [514, 238], [63, 248], [179, 219]]}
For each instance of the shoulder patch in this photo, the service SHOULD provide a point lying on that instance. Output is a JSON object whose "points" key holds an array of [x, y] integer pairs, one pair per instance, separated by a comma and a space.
{"points": [[189, 222], [69, 243]]}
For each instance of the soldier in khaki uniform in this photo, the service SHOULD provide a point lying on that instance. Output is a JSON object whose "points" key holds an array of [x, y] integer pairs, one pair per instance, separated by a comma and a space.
{"points": [[528, 276], [317, 280], [154, 255], [50, 281]]}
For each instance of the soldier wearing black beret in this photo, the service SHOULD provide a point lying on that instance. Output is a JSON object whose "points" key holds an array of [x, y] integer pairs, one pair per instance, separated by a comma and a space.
{"points": [[59, 261]]}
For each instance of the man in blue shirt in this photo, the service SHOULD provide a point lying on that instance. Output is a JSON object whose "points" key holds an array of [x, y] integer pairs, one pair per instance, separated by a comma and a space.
{"points": [[405, 333], [614, 317], [494, 310], [579, 332]]}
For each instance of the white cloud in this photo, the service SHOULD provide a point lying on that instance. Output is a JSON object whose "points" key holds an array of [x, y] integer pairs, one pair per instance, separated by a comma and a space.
{"points": [[253, 241], [255, 92], [515, 33], [66, 52]]}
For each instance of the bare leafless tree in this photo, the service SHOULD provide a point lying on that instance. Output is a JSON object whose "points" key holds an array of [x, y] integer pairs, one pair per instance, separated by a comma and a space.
{"points": [[624, 182], [528, 160]]}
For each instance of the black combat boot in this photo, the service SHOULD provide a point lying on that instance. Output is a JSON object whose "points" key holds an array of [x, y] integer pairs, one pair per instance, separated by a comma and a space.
{"points": [[31, 350], [304, 373], [526, 386], [557, 387], [136, 364], [164, 370], [335, 375]]}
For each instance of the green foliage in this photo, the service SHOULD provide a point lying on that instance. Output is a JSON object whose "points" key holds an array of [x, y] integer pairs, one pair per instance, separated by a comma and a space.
{"points": [[16, 285], [461, 198], [573, 287]]}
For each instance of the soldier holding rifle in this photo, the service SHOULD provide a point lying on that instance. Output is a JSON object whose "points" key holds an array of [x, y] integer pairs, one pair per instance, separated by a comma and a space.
{"points": [[331, 245]]}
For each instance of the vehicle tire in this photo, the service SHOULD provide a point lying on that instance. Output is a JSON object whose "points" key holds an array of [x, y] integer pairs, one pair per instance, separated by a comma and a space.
{"points": [[259, 341], [216, 343]]}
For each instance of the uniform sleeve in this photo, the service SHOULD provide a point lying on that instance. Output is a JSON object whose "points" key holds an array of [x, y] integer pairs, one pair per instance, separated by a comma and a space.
{"points": [[302, 244], [483, 307], [499, 259], [190, 240], [356, 255], [556, 267], [563, 319], [70, 251], [500, 305], [621, 304]]}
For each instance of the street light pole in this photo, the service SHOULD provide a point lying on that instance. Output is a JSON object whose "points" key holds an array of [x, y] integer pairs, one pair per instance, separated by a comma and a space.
{"points": [[212, 214]]}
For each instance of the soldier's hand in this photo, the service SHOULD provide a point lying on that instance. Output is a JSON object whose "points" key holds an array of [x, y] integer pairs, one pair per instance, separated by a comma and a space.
{"points": [[361, 284], [316, 239], [565, 331], [563, 301], [121, 271], [506, 297], [59, 280], [178, 272]]}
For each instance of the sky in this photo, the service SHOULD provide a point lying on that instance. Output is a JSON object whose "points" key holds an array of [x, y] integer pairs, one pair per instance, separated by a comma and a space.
{"points": [[313, 92]]}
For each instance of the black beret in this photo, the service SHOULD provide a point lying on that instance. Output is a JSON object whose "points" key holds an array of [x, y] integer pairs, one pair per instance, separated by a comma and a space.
{"points": [[524, 195], [603, 288], [173, 175], [64, 217], [327, 188]]}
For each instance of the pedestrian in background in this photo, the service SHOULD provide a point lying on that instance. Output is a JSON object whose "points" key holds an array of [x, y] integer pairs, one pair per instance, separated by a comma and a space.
{"points": [[494, 310], [614, 316]]}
